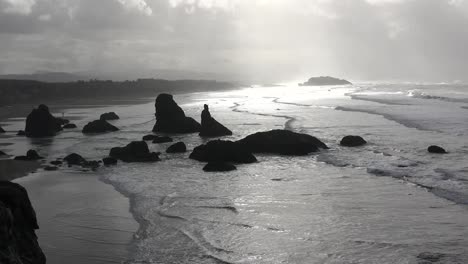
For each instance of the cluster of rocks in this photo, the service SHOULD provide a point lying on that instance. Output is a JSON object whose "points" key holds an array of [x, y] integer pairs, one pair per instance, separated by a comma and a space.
{"points": [[136, 151], [31, 155]]}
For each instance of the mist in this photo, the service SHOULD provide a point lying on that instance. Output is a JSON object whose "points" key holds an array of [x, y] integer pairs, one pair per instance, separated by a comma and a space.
{"points": [[251, 40]]}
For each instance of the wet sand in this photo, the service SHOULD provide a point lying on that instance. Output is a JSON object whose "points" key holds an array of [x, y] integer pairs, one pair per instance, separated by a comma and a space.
{"points": [[81, 219], [12, 169]]}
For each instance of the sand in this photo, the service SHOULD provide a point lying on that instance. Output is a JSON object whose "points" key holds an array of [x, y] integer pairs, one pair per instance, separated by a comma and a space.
{"points": [[12, 169]]}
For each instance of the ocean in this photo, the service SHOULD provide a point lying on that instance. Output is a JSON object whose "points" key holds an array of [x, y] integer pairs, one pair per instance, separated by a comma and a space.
{"points": [[389, 201]]}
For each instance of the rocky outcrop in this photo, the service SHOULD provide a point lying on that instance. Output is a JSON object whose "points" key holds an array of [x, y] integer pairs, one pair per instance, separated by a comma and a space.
{"points": [[109, 116], [40, 123], [18, 240], [223, 151], [2, 130], [75, 159], [30, 155], [219, 167], [283, 142], [69, 126], [170, 118], [210, 127], [159, 140], [136, 151], [352, 141], [324, 80], [436, 149], [178, 147], [99, 126], [109, 161]]}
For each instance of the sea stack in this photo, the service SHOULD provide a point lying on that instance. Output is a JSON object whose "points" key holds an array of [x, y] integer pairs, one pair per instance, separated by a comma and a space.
{"points": [[324, 80], [170, 118], [40, 123], [210, 127]]}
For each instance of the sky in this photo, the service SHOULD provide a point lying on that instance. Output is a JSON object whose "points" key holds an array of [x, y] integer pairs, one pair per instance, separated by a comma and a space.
{"points": [[248, 40]]}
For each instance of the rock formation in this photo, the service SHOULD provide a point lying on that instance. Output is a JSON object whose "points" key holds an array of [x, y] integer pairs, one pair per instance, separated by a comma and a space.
{"points": [[40, 123], [21, 133], [210, 127], [219, 167], [18, 240], [283, 142], [136, 151], [75, 159], [223, 151], [324, 80], [109, 116], [178, 147], [2, 153], [30, 155], [2, 130], [98, 126], [149, 137], [352, 141], [69, 126], [159, 140], [436, 149], [170, 118], [109, 161]]}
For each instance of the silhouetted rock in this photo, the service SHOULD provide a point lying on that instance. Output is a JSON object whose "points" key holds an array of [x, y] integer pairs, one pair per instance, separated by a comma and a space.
{"points": [[223, 151], [21, 133], [352, 141], [178, 147], [170, 118], [136, 151], [62, 121], [69, 126], [283, 142], [92, 164], [56, 162], [99, 126], [2, 130], [30, 155], [40, 123], [219, 167], [210, 127], [50, 168], [2, 153], [158, 140], [74, 159], [324, 80], [149, 137], [109, 161], [18, 240], [109, 116], [436, 149]]}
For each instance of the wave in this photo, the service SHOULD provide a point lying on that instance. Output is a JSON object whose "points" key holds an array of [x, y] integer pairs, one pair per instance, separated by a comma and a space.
{"points": [[421, 95], [287, 124]]}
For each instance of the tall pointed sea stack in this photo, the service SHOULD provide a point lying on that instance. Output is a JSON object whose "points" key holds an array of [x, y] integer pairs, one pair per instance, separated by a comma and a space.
{"points": [[211, 127], [170, 118]]}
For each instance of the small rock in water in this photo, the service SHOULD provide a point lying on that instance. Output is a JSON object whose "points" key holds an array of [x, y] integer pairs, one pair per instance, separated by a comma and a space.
{"points": [[158, 140], [56, 162], [178, 147], [30, 155], [21, 133], [69, 126], [2, 153], [436, 149], [149, 137], [50, 168], [74, 159], [109, 161], [136, 151], [2, 130], [109, 116], [99, 126], [219, 167], [352, 141]]}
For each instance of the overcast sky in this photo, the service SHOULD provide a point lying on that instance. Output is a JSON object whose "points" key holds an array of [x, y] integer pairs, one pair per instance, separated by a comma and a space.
{"points": [[261, 40]]}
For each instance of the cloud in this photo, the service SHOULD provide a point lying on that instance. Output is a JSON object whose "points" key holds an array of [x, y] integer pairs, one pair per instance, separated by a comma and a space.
{"points": [[139, 5], [22, 7]]}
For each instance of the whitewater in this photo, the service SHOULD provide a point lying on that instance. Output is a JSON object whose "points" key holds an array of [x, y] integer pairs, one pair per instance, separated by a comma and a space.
{"points": [[387, 202]]}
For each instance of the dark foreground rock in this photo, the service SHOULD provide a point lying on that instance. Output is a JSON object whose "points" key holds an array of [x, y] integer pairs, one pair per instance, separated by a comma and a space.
{"points": [[30, 155], [223, 151], [219, 167], [352, 141], [136, 151], [69, 126], [2, 153], [41, 123], [2, 130], [159, 140], [210, 127], [324, 80], [75, 159], [109, 116], [283, 142], [170, 118], [178, 147], [99, 126], [109, 161], [436, 149], [18, 240]]}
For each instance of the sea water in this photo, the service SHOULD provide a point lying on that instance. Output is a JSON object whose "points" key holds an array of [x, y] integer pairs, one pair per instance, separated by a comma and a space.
{"points": [[387, 202]]}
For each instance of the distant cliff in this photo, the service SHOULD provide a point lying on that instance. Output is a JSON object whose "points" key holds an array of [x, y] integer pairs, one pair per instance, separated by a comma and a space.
{"points": [[26, 91], [18, 240], [324, 80]]}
